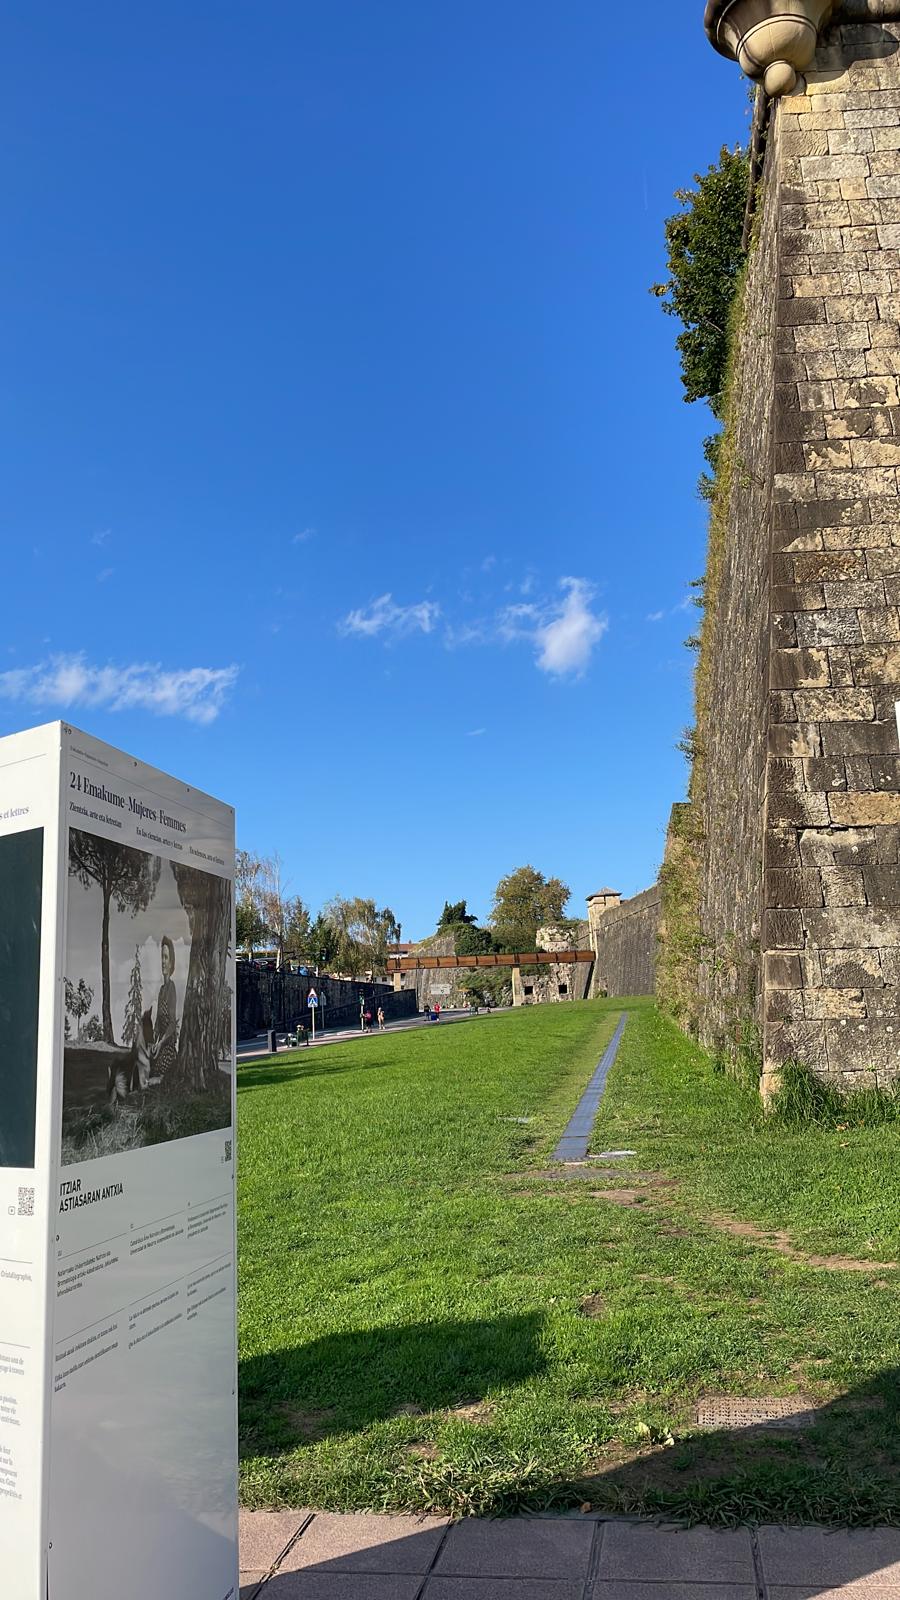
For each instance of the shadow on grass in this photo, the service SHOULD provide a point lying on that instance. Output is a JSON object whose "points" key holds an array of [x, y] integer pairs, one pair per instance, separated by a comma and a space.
{"points": [[346, 1381], [272, 1075]]}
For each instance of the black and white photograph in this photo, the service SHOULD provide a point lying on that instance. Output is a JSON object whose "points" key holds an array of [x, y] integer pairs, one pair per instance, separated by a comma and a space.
{"points": [[21, 865], [148, 1054]]}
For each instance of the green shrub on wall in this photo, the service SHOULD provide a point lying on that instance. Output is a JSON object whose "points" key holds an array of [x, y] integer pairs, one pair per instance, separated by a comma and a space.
{"points": [[705, 291]]}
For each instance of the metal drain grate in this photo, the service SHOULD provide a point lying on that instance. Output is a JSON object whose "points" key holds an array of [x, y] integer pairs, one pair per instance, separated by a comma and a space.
{"points": [[728, 1414]]}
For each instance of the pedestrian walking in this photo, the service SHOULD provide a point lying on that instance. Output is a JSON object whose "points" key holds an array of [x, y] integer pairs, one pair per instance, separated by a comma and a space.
{"points": [[367, 1021], [380, 1015]]}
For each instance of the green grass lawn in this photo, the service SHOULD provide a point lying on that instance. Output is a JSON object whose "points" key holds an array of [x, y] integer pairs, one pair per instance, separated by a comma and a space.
{"points": [[425, 1321]]}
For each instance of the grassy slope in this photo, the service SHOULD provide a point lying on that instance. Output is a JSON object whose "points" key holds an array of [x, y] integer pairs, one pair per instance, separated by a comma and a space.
{"points": [[395, 1271]]}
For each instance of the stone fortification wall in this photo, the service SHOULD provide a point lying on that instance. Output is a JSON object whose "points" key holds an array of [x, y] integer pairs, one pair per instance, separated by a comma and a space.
{"points": [[732, 681], [796, 793], [624, 941], [565, 980], [268, 1000]]}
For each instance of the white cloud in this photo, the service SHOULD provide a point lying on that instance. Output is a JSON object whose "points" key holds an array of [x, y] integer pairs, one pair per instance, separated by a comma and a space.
{"points": [[655, 616], [384, 616], [101, 536], [489, 563], [105, 573], [197, 693], [304, 536], [565, 643], [475, 733]]}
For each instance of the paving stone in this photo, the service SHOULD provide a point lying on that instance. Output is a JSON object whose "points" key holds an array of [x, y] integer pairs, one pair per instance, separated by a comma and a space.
{"points": [[866, 1557], [365, 1544], [844, 1591], [263, 1536], [519, 1547], [615, 1590], [342, 1586], [439, 1588], [651, 1553]]}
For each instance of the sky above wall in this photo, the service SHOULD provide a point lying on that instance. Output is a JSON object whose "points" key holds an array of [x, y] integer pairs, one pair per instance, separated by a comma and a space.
{"points": [[346, 470]]}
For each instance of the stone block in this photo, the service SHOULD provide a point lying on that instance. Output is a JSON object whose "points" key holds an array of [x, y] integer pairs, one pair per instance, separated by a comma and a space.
{"points": [[782, 930], [788, 887], [797, 1041], [865, 423], [882, 362], [833, 705], [885, 772], [882, 885], [852, 593], [875, 664], [815, 168], [870, 482], [799, 668], [852, 969], [829, 564], [859, 738], [850, 363], [781, 847], [860, 1046], [791, 312], [797, 485], [838, 847], [782, 971], [808, 597], [887, 845], [841, 142], [840, 668], [873, 452], [859, 774], [794, 739], [851, 308], [859, 810], [846, 513], [841, 625], [851, 927], [784, 1005], [824, 773], [781, 706], [883, 561], [865, 393], [878, 625], [843, 886], [823, 1003]]}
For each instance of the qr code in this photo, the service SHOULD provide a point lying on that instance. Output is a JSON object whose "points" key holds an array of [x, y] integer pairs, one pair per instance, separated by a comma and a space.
{"points": [[26, 1202], [228, 1144]]}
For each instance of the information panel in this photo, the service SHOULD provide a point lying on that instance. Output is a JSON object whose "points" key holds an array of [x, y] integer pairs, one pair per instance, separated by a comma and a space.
{"points": [[118, 1419]]}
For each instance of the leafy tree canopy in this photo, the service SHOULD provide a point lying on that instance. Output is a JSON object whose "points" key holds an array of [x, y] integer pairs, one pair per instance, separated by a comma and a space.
{"points": [[455, 911], [524, 901], [705, 255]]}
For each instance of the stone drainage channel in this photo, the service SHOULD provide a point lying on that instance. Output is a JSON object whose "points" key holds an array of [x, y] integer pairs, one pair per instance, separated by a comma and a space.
{"points": [[573, 1146]]}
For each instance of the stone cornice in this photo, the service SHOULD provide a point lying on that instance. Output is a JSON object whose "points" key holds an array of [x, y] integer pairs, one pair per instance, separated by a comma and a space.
{"points": [[774, 41]]}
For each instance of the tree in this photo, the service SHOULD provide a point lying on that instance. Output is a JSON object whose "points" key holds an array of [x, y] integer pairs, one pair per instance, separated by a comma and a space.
{"points": [[79, 999], [454, 912], [705, 254], [249, 920], [134, 1005], [320, 943], [207, 903], [297, 926], [523, 902], [125, 876], [470, 940], [362, 935]]}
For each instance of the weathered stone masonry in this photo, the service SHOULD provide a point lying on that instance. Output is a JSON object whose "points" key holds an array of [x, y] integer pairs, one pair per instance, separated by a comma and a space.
{"points": [[623, 936], [813, 567]]}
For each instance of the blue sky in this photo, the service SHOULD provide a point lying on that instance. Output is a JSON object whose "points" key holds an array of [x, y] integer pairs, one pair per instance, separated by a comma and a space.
{"points": [[346, 471]]}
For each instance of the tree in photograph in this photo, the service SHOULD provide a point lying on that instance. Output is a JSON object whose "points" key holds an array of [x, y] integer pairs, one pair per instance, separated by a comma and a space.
{"points": [[134, 1005], [79, 999], [523, 902], [125, 877], [207, 904]]}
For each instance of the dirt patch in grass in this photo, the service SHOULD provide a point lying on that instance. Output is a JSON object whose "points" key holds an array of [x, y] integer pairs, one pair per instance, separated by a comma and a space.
{"points": [[475, 1411], [307, 1426], [593, 1305], [620, 1197], [777, 1239]]}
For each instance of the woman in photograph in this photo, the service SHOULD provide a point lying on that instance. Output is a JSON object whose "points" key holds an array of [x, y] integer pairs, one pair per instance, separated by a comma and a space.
{"points": [[163, 1048]]}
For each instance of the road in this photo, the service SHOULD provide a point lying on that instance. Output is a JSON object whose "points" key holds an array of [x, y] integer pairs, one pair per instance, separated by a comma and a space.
{"points": [[254, 1049]]}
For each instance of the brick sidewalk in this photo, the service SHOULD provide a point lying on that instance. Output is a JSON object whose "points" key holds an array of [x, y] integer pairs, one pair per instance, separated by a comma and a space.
{"points": [[296, 1555]]}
